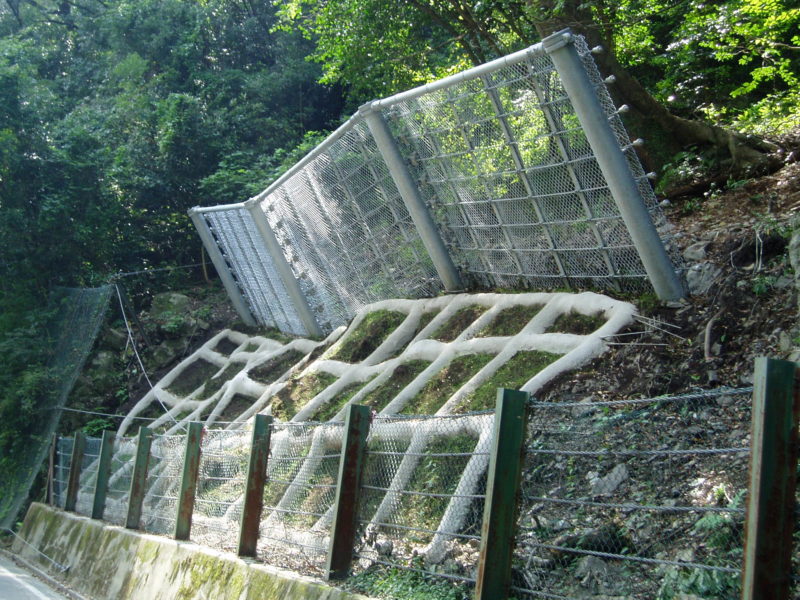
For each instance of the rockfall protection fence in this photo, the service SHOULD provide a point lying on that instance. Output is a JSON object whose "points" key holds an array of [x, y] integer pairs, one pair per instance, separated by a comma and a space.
{"points": [[516, 172], [72, 329], [647, 498]]}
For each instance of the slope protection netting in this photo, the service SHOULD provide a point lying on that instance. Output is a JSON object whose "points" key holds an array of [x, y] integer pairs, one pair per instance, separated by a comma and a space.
{"points": [[408, 360], [78, 314], [506, 172]]}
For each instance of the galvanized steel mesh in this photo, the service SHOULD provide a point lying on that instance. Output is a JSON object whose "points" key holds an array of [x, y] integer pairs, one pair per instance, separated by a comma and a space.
{"points": [[299, 495], [513, 183], [253, 269], [88, 479], [346, 232], [641, 498], [508, 177], [63, 461], [423, 494], [162, 486], [220, 488], [119, 483]]}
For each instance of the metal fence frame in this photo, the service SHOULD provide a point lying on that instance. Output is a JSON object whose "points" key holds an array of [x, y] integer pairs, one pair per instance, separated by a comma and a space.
{"points": [[305, 447], [516, 172]]}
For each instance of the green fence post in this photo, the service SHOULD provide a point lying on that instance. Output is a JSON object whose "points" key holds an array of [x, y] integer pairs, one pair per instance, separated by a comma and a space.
{"points": [[345, 512], [51, 470], [103, 473], [254, 488], [75, 465], [773, 479], [188, 491], [502, 491], [139, 478]]}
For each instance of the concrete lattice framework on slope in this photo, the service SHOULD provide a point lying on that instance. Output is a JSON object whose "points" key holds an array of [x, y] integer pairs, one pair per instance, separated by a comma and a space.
{"points": [[234, 357]]}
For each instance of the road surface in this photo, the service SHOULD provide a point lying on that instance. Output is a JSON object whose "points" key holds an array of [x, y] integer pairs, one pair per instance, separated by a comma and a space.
{"points": [[18, 584]]}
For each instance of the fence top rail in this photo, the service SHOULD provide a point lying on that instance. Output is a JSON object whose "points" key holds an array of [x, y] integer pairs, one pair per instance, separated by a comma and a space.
{"points": [[469, 74]]}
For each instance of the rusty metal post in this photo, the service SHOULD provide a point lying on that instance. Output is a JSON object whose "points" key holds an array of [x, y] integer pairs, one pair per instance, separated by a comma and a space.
{"points": [[139, 478], [770, 517], [51, 469], [502, 490], [74, 482], [188, 491], [254, 488], [103, 473], [345, 511]]}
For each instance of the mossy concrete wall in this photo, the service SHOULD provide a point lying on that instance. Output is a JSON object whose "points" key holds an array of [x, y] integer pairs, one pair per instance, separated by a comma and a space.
{"points": [[110, 562]]}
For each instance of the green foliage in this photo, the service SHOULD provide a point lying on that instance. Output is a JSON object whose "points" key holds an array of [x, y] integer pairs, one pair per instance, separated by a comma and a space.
{"points": [[370, 333], [445, 383], [400, 584], [512, 375]]}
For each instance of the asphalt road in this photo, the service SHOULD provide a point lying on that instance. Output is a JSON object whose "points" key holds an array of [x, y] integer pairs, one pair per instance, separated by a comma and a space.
{"points": [[18, 584]]}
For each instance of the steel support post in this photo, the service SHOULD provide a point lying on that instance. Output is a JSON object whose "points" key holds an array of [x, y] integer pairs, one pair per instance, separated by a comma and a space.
{"points": [[770, 516], [188, 489], [345, 511], [51, 470], [502, 491], [74, 482], [103, 474], [254, 487], [225, 275], [284, 270], [613, 164], [139, 478], [412, 199]]}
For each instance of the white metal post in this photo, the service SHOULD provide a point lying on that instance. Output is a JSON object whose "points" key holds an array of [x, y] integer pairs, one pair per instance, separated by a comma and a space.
{"points": [[284, 270], [235, 294], [411, 197], [613, 164]]}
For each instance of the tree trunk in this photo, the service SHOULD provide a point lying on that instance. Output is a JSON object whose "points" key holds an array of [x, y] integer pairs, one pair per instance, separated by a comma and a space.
{"points": [[666, 133]]}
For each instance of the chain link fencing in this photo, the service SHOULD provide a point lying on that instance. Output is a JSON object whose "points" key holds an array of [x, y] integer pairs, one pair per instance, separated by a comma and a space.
{"points": [[640, 498], [221, 488], [119, 483], [636, 498], [164, 473], [61, 466], [89, 464], [423, 493], [299, 495], [504, 170]]}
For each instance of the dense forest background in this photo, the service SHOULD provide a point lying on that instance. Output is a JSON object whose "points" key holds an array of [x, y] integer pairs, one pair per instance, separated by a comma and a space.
{"points": [[117, 116]]}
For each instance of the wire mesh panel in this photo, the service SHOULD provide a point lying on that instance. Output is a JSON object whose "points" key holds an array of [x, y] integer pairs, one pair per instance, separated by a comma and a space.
{"points": [[423, 494], [513, 182], [346, 232], [164, 473], [119, 483], [245, 253], [509, 177], [76, 319], [220, 488], [91, 454], [640, 498], [299, 495], [63, 461]]}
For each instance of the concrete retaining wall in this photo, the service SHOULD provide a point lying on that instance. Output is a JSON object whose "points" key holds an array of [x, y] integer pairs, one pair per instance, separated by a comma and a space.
{"points": [[110, 562]]}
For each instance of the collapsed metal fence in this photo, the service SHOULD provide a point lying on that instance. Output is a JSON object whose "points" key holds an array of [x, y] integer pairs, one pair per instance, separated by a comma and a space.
{"points": [[639, 498], [515, 173]]}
